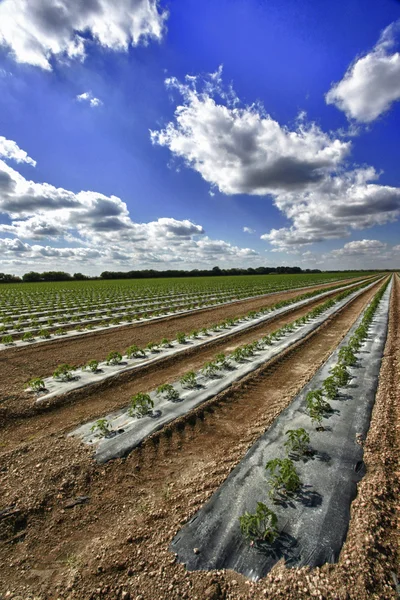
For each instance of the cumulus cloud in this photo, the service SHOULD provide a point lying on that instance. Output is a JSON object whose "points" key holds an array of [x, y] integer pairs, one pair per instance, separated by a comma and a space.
{"points": [[37, 31], [97, 228], [248, 230], [9, 150], [243, 150], [88, 97], [362, 254], [331, 209], [360, 247], [372, 83]]}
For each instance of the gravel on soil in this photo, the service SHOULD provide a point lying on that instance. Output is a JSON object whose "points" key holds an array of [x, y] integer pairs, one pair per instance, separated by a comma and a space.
{"points": [[114, 544]]}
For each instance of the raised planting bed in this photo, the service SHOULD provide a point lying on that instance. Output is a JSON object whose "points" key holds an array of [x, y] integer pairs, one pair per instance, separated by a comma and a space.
{"points": [[312, 522], [61, 330], [125, 432]]}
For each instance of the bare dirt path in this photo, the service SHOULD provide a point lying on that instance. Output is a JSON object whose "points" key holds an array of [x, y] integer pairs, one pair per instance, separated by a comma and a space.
{"points": [[87, 403], [18, 365], [115, 543]]}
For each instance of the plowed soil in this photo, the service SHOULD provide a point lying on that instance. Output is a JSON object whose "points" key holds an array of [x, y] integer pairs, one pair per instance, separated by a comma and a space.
{"points": [[75, 530], [87, 403], [18, 365]]}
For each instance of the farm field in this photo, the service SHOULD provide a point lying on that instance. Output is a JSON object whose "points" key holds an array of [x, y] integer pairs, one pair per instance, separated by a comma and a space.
{"points": [[30, 313], [97, 502]]}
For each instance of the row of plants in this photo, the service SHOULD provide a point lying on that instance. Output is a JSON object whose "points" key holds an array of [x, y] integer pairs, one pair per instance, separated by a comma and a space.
{"points": [[15, 316], [87, 294], [142, 404], [261, 527], [66, 372]]}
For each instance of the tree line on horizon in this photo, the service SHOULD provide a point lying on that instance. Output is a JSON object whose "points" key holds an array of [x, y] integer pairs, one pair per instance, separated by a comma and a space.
{"points": [[33, 276]]}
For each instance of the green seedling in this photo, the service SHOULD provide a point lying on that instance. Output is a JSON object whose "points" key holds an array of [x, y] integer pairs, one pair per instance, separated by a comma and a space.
{"points": [[44, 334], [7, 340], [168, 391], [222, 361], [238, 355], [28, 337], [283, 476], [189, 380], [64, 373], [92, 365], [102, 427], [140, 405], [210, 369], [165, 343], [180, 338], [259, 526], [331, 387], [36, 384], [135, 352], [297, 441], [316, 406], [114, 358], [341, 374], [347, 356]]}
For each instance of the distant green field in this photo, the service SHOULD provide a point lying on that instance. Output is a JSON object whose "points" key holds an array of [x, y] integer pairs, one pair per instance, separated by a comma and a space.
{"points": [[175, 284], [31, 310]]}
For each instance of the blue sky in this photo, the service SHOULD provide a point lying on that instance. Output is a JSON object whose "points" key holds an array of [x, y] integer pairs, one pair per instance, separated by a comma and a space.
{"points": [[151, 134]]}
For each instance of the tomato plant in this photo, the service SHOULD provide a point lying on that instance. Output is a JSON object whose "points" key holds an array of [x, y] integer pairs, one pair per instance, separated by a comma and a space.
{"points": [[260, 526]]}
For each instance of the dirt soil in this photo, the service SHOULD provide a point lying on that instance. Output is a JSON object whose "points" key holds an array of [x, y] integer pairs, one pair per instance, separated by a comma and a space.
{"points": [[72, 529], [18, 365], [65, 412]]}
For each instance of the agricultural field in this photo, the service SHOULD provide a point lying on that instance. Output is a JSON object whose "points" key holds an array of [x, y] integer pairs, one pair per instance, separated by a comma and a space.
{"points": [[30, 313], [201, 438]]}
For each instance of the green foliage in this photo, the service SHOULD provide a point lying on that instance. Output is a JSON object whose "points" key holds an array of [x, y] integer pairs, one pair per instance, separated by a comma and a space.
{"points": [[283, 476], [341, 374], [28, 337], [92, 365], [189, 380], [180, 338], [168, 391], [113, 358], [165, 343], [260, 526], [64, 372], [140, 405], [238, 355], [222, 361], [210, 369], [347, 356], [36, 384], [316, 406], [102, 427], [297, 441], [135, 352], [152, 347], [330, 386], [45, 334]]}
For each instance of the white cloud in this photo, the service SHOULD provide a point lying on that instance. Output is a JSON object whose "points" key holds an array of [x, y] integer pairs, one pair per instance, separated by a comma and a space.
{"points": [[243, 150], [97, 229], [11, 151], [340, 203], [372, 83], [88, 97], [364, 254], [37, 31], [360, 247], [248, 230]]}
